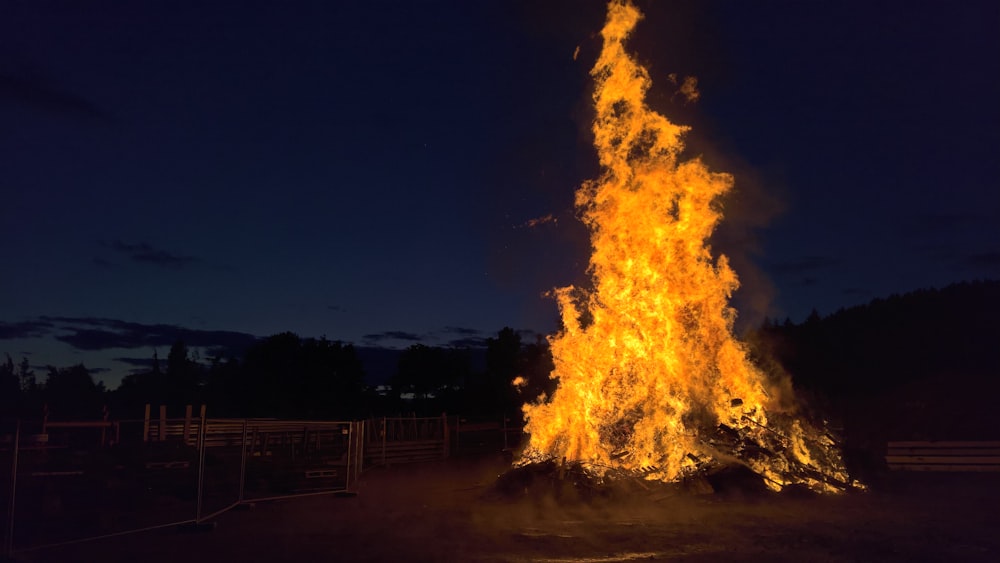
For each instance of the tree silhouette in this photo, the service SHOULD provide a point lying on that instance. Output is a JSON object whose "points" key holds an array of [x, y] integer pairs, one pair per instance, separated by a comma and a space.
{"points": [[182, 385], [332, 379], [283, 375], [431, 375], [26, 376], [72, 394], [223, 387], [10, 388], [269, 383], [493, 393]]}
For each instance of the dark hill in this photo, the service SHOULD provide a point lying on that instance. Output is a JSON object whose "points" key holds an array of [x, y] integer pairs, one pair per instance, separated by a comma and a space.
{"points": [[888, 343], [921, 366]]}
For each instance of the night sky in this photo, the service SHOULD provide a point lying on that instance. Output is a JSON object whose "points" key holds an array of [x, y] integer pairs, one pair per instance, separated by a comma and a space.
{"points": [[400, 172]]}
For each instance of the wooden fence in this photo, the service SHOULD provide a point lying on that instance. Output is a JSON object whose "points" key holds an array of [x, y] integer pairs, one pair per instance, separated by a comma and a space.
{"points": [[472, 436], [390, 441], [943, 456]]}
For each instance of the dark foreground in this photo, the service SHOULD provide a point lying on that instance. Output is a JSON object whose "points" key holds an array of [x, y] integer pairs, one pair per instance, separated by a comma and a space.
{"points": [[447, 512]]}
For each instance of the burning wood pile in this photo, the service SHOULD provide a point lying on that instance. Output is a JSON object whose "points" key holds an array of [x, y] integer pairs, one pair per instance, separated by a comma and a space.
{"points": [[652, 383], [729, 468]]}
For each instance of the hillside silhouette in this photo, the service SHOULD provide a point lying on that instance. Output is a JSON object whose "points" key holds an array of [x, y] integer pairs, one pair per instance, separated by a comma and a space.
{"points": [[894, 341]]}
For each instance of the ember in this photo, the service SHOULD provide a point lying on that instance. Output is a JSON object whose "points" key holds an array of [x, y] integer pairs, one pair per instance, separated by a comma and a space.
{"points": [[651, 380]]}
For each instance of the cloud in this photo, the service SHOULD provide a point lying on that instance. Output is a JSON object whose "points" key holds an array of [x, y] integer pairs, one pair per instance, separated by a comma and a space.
{"points": [[336, 308], [378, 337], [25, 329], [95, 339], [803, 265], [27, 89], [90, 333], [144, 253], [449, 337], [468, 342], [140, 362], [461, 330], [462, 337]]}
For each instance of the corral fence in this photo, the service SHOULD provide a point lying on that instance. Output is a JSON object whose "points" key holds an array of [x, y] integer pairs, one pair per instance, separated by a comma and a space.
{"points": [[396, 440], [66, 482], [391, 441], [482, 435]]}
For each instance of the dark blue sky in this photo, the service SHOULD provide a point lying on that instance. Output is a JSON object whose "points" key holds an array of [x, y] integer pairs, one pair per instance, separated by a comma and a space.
{"points": [[370, 171]]}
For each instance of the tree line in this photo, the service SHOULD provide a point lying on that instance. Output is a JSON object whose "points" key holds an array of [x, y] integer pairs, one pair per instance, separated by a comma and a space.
{"points": [[287, 376], [892, 342], [922, 362]]}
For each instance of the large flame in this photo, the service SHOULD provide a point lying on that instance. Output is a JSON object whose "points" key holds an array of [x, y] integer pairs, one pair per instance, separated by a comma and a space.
{"points": [[649, 372]]}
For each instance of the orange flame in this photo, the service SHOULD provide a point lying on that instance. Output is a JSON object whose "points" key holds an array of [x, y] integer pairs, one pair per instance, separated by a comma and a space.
{"points": [[646, 362]]}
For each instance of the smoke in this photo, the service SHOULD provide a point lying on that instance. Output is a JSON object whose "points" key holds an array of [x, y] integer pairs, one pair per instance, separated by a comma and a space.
{"points": [[747, 211], [687, 89], [756, 200]]}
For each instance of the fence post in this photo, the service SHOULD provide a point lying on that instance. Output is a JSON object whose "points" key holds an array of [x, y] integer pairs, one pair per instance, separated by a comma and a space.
{"points": [[384, 431], [104, 429], [201, 469], [361, 450], [8, 547], [350, 452], [145, 425], [243, 462], [444, 432], [187, 425]]}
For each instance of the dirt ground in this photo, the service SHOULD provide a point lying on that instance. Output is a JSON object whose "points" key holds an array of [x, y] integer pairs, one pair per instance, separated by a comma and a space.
{"points": [[449, 511]]}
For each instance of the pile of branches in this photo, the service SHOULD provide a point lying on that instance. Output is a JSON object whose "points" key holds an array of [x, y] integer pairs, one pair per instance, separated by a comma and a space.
{"points": [[725, 472]]}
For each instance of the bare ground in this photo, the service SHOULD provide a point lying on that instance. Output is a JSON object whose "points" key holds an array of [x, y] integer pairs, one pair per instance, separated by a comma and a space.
{"points": [[449, 511]]}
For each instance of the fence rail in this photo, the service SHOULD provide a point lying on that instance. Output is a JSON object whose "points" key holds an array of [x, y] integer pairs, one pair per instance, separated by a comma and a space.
{"points": [[477, 436], [943, 456], [390, 441]]}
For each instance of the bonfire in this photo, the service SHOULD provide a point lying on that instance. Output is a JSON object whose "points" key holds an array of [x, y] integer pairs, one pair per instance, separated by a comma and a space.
{"points": [[651, 380]]}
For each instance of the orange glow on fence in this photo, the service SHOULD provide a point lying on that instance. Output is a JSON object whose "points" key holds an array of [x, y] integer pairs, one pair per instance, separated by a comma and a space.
{"points": [[647, 366]]}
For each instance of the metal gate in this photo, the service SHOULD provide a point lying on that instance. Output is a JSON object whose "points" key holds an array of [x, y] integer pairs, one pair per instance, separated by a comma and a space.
{"points": [[390, 441]]}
